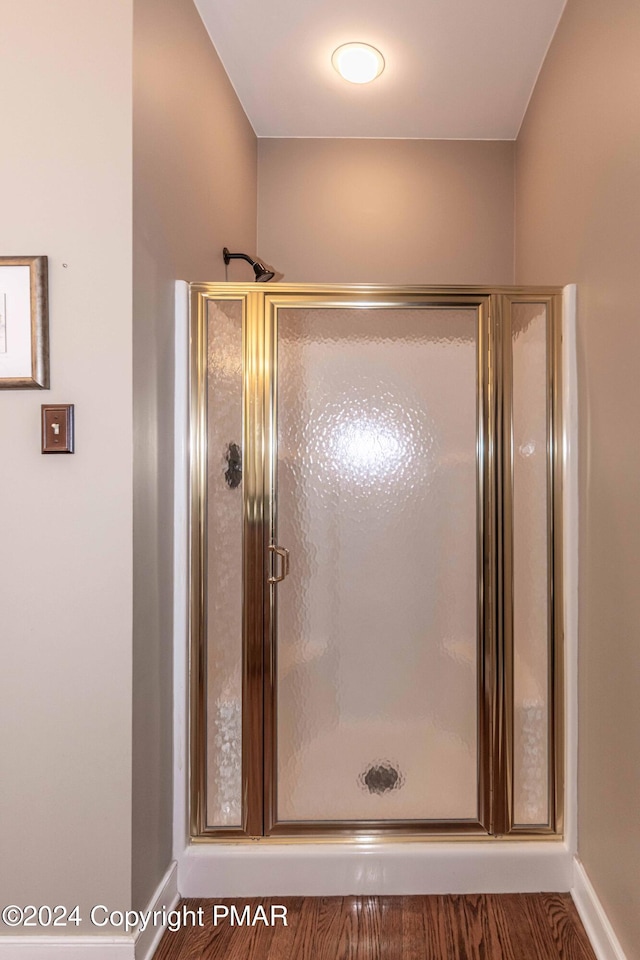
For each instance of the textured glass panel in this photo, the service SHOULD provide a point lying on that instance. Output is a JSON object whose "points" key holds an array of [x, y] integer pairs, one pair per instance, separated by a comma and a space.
{"points": [[224, 560], [530, 542], [377, 622]]}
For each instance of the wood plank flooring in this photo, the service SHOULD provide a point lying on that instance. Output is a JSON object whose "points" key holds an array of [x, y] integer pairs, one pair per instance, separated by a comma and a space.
{"points": [[542, 926]]}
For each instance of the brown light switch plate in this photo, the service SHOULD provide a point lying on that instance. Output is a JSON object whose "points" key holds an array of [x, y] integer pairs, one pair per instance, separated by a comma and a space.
{"points": [[57, 428]]}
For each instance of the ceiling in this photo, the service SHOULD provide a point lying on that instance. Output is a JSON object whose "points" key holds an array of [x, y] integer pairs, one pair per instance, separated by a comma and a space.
{"points": [[455, 69]]}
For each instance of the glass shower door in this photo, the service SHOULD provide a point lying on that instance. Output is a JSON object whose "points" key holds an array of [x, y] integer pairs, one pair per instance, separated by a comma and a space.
{"points": [[374, 705]]}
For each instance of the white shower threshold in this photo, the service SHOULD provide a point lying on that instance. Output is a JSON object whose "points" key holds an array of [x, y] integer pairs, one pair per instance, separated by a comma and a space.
{"points": [[270, 868], [339, 869]]}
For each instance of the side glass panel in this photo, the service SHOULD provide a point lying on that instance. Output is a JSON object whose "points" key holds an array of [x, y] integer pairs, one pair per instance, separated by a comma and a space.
{"points": [[530, 565], [377, 623], [224, 564]]}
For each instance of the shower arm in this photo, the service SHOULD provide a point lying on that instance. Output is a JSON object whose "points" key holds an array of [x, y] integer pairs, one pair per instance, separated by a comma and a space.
{"points": [[236, 256]]}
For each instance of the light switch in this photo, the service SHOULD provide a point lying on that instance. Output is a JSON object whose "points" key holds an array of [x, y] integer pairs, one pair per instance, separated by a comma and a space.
{"points": [[57, 428]]}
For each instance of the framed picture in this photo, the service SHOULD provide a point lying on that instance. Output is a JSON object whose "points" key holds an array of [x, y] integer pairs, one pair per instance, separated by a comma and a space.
{"points": [[24, 323]]}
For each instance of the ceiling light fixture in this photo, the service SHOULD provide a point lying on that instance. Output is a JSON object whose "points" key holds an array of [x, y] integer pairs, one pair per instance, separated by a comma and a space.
{"points": [[358, 62]]}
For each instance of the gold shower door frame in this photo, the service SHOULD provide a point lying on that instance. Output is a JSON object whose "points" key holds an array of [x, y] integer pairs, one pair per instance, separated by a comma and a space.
{"points": [[494, 465]]}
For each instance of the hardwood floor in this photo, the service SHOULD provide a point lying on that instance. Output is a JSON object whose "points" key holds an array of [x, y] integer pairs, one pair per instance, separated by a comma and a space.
{"points": [[541, 926]]}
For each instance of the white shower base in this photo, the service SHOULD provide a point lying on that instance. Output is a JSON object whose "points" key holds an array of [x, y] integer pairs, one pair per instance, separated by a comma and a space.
{"points": [[265, 868]]}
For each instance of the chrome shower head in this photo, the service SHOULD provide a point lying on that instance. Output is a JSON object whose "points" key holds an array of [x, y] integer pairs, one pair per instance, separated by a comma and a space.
{"points": [[263, 274]]}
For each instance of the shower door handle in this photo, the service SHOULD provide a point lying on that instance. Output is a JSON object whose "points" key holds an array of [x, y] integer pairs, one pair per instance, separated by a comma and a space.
{"points": [[283, 553]]}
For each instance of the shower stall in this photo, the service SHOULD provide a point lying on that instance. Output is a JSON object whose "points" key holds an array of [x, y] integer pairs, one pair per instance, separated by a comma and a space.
{"points": [[376, 596]]}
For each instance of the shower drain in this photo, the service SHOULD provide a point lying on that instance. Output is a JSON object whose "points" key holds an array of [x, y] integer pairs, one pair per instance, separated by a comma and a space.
{"points": [[381, 777]]}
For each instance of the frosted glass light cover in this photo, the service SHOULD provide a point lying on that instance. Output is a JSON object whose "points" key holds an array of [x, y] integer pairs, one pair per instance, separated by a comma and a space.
{"points": [[377, 621], [530, 563], [358, 62], [224, 567]]}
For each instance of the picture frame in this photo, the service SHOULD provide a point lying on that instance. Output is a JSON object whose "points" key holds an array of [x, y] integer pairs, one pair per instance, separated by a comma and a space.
{"points": [[24, 323]]}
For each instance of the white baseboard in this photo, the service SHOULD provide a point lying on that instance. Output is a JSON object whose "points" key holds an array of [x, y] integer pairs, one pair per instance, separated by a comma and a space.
{"points": [[66, 948], [261, 870], [606, 945], [167, 896], [140, 946]]}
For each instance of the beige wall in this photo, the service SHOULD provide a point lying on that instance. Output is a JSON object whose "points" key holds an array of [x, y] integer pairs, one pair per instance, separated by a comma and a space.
{"points": [[194, 192], [66, 543], [387, 211], [65, 533], [578, 219]]}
